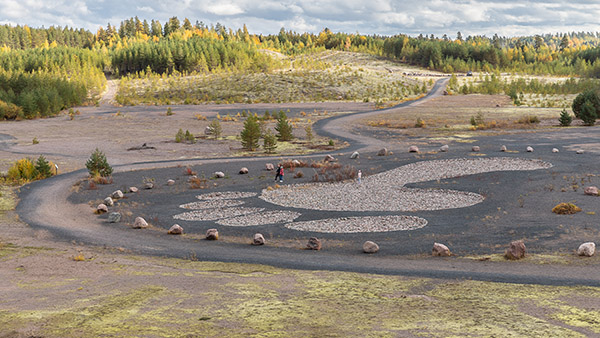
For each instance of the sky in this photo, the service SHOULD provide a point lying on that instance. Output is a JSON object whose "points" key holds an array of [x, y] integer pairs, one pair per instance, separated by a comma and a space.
{"points": [[383, 17]]}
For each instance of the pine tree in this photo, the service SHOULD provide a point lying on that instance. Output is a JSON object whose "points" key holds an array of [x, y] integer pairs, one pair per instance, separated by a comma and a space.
{"points": [[270, 142], [283, 128], [565, 118], [309, 133], [588, 113], [98, 165], [215, 128], [43, 168], [251, 134]]}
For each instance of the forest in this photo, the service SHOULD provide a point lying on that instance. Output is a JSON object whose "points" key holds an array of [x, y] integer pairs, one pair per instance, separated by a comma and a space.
{"points": [[45, 70]]}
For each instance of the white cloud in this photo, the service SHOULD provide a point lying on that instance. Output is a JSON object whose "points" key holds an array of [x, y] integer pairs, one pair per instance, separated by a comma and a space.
{"points": [[225, 9]]}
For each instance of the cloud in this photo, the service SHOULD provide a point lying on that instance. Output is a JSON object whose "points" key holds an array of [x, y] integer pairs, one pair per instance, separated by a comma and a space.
{"points": [[224, 9]]}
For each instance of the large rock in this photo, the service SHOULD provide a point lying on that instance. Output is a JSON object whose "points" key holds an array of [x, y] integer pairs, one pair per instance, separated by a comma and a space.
{"points": [[440, 250], [219, 174], [329, 158], [208, 130], [140, 223], [314, 243], [258, 239], [503, 148], [530, 149], [243, 171], [580, 151], [587, 249], [354, 155], [101, 208], [114, 217], [109, 202], [370, 247], [382, 152], [133, 189], [516, 250], [212, 234], [555, 150], [296, 163], [149, 185], [412, 149], [176, 229], [117, 195], [269, 166], [444, 148], [475, 149], [170, 182], [592, 191]]}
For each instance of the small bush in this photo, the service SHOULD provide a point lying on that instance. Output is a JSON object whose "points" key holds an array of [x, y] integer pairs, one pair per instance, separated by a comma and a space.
{"points": [[216, 129], [420, 123], [270, 142], [43, 168], [22, 170], [299, 174], [588, 114], [180, 136], [170, 111], [198, 183], [35, 141], [97, 164], [565, 118], [477, 120], [331, 143], [528, 120], [200, 117], [566, 209]]}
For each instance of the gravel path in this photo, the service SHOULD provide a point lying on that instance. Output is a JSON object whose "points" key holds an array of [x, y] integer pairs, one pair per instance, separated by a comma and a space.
{"points": [[360, 224], [386, 191]]}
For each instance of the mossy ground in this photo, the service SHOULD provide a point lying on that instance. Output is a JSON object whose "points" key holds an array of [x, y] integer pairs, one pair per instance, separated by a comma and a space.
{"points": [[125, 296]]}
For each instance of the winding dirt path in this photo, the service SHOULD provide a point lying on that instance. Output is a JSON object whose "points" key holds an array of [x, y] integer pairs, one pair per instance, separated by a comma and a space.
{"points": [[44, 205]]}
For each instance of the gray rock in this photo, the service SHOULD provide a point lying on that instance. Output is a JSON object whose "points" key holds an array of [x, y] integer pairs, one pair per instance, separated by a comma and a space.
{"points": [[109, 202], [149, 185], [314, 243], [243, 171], [516, 250], [554, 150], [370, 247], [587, 249], [170, 182], [117, 195], [444, 148], [382, 152], [503, 148], [413, 149], [440, 250], [296, 163], [101, 208], [176, 229], [133, 189], [354, 155], [530, 149], [258, 239], [329, 158], [475, 149], [592, 191], [580, 151], [114, 217], [208, 130], [140, 223], [269, 166], [212, 234], [219, 174]]}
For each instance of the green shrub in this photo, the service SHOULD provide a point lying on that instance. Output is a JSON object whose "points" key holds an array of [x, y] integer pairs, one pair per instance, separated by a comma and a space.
{"points": [[270, 142], [250, 135], [97, 164], [587, 96], [565, 118], [420, 123], [215, 127], [170, 111], [180, 136], [566, 209], [283, 128], [43, 168], [309, 133], [588, 113]]}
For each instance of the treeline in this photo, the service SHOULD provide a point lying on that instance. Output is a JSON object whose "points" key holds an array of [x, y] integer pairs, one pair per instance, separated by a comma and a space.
{"points": [[41, 82], [196, 54], [23, 37]]}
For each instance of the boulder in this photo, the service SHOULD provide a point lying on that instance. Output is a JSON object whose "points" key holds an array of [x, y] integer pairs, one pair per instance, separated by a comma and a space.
{"points": [[109, 202], [170, 182], [516, 250], [503, 148], [258, 239], [592, 191], [212, 234], [475, 149], [329, 158], [370, 247], [117, 195], [554, 150], [296, 163], [140, 223], [149, 185], [176, 229], [382, 152], [587, 249], [530, 149], [413, 149], [314, 244], [269, 167], [133, 189], [354, 155], [101, 208], [219, 174], [243, 171], [114, 217], [580, 151], [440, 250], [208, 130], [444, 148]]}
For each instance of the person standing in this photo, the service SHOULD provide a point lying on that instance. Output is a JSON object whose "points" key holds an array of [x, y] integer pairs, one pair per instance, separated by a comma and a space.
{"points": [[277, 172], [280, 173], [359, 176]]}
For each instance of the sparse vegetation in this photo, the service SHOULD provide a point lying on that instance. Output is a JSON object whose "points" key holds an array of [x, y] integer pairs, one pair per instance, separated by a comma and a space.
{"points": [[566, 209]]}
